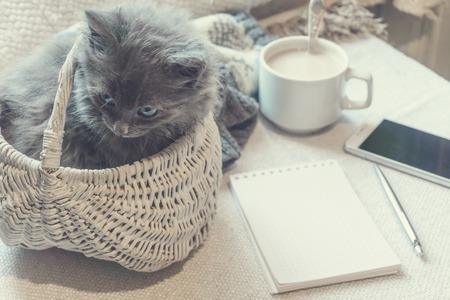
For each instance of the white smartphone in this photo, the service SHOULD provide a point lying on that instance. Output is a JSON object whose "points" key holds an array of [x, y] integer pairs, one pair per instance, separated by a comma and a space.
{"points": [[401, 147]]}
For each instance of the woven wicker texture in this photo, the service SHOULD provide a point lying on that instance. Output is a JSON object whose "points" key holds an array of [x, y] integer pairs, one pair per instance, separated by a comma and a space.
{"points": [[144, 216]]}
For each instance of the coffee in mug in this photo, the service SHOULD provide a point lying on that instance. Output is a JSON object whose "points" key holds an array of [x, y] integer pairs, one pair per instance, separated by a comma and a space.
{"points": [[302, 65], [303, 92]]}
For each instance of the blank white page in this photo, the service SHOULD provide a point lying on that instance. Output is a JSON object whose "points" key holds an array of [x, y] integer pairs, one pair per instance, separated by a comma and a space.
{"points": [[310, 227]]}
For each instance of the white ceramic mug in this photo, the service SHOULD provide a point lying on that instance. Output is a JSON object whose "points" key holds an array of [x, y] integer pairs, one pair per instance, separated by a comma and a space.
{"points": [[304, 92]]}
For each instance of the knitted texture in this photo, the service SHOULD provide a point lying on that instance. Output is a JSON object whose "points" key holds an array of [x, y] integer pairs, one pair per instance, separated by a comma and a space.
{"points": [[25, 24], [238, 38]]}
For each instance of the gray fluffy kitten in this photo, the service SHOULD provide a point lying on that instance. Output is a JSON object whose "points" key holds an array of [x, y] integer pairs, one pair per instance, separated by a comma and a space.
{"points": [[143, 78]]}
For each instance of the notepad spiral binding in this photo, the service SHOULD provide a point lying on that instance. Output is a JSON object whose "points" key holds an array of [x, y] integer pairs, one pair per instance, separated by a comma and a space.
{"points": [[144, 216]]}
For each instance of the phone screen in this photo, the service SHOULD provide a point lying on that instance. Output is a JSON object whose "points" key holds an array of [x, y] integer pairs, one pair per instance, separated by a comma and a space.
{"points": [[410, 146]]}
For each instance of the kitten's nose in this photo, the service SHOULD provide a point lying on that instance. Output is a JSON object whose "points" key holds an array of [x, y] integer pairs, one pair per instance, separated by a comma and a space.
{"points": [[121, 128]]}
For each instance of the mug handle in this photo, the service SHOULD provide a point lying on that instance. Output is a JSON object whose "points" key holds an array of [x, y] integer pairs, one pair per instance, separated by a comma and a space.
{"points": [[346, 102]]}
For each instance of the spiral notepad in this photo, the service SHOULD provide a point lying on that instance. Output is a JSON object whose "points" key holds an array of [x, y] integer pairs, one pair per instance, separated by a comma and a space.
{"points": [[309, 227]]}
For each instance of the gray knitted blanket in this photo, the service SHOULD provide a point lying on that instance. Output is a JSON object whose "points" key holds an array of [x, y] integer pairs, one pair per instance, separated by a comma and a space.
{"points": [[238, 37]]}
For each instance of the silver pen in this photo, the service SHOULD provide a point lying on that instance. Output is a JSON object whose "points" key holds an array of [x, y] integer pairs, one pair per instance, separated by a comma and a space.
{"points": [[400, 212]]}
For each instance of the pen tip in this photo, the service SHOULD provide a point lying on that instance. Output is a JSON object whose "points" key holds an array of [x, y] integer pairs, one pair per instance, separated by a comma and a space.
{"points": [[418, 250]]}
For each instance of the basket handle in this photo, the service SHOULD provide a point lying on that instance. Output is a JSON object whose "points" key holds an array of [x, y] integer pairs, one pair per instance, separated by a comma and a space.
{"points": [[54, 133]]}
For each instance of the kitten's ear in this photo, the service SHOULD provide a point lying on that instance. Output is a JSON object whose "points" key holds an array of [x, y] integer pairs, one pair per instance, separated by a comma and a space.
{"points": [[187, 66], [99, 34]]}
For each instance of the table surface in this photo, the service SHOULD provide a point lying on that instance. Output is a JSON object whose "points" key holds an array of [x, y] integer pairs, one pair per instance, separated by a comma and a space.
{"points": [[226, 267]]}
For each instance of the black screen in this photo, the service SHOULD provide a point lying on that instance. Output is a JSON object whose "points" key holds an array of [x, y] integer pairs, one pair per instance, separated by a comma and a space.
{"points": [[410, 146]]}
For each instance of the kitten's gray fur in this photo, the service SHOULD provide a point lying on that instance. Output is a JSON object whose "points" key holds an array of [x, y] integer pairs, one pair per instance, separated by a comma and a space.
{"points": [[139, 56]]}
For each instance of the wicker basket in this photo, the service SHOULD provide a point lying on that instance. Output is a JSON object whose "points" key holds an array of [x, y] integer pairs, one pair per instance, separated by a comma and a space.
{"points": [[144, 216]]}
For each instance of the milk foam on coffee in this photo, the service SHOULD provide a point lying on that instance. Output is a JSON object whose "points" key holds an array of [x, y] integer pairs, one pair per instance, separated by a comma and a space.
{"points": [[299, 64], [304, 92]]}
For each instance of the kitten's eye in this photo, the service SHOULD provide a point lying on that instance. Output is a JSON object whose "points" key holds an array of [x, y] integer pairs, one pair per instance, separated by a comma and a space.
{"points": [[106, 99], [146, 111]]}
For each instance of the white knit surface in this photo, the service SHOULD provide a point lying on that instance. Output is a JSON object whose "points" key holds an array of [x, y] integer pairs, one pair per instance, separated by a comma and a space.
{"points": [[24, 24], [225, 267]]}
